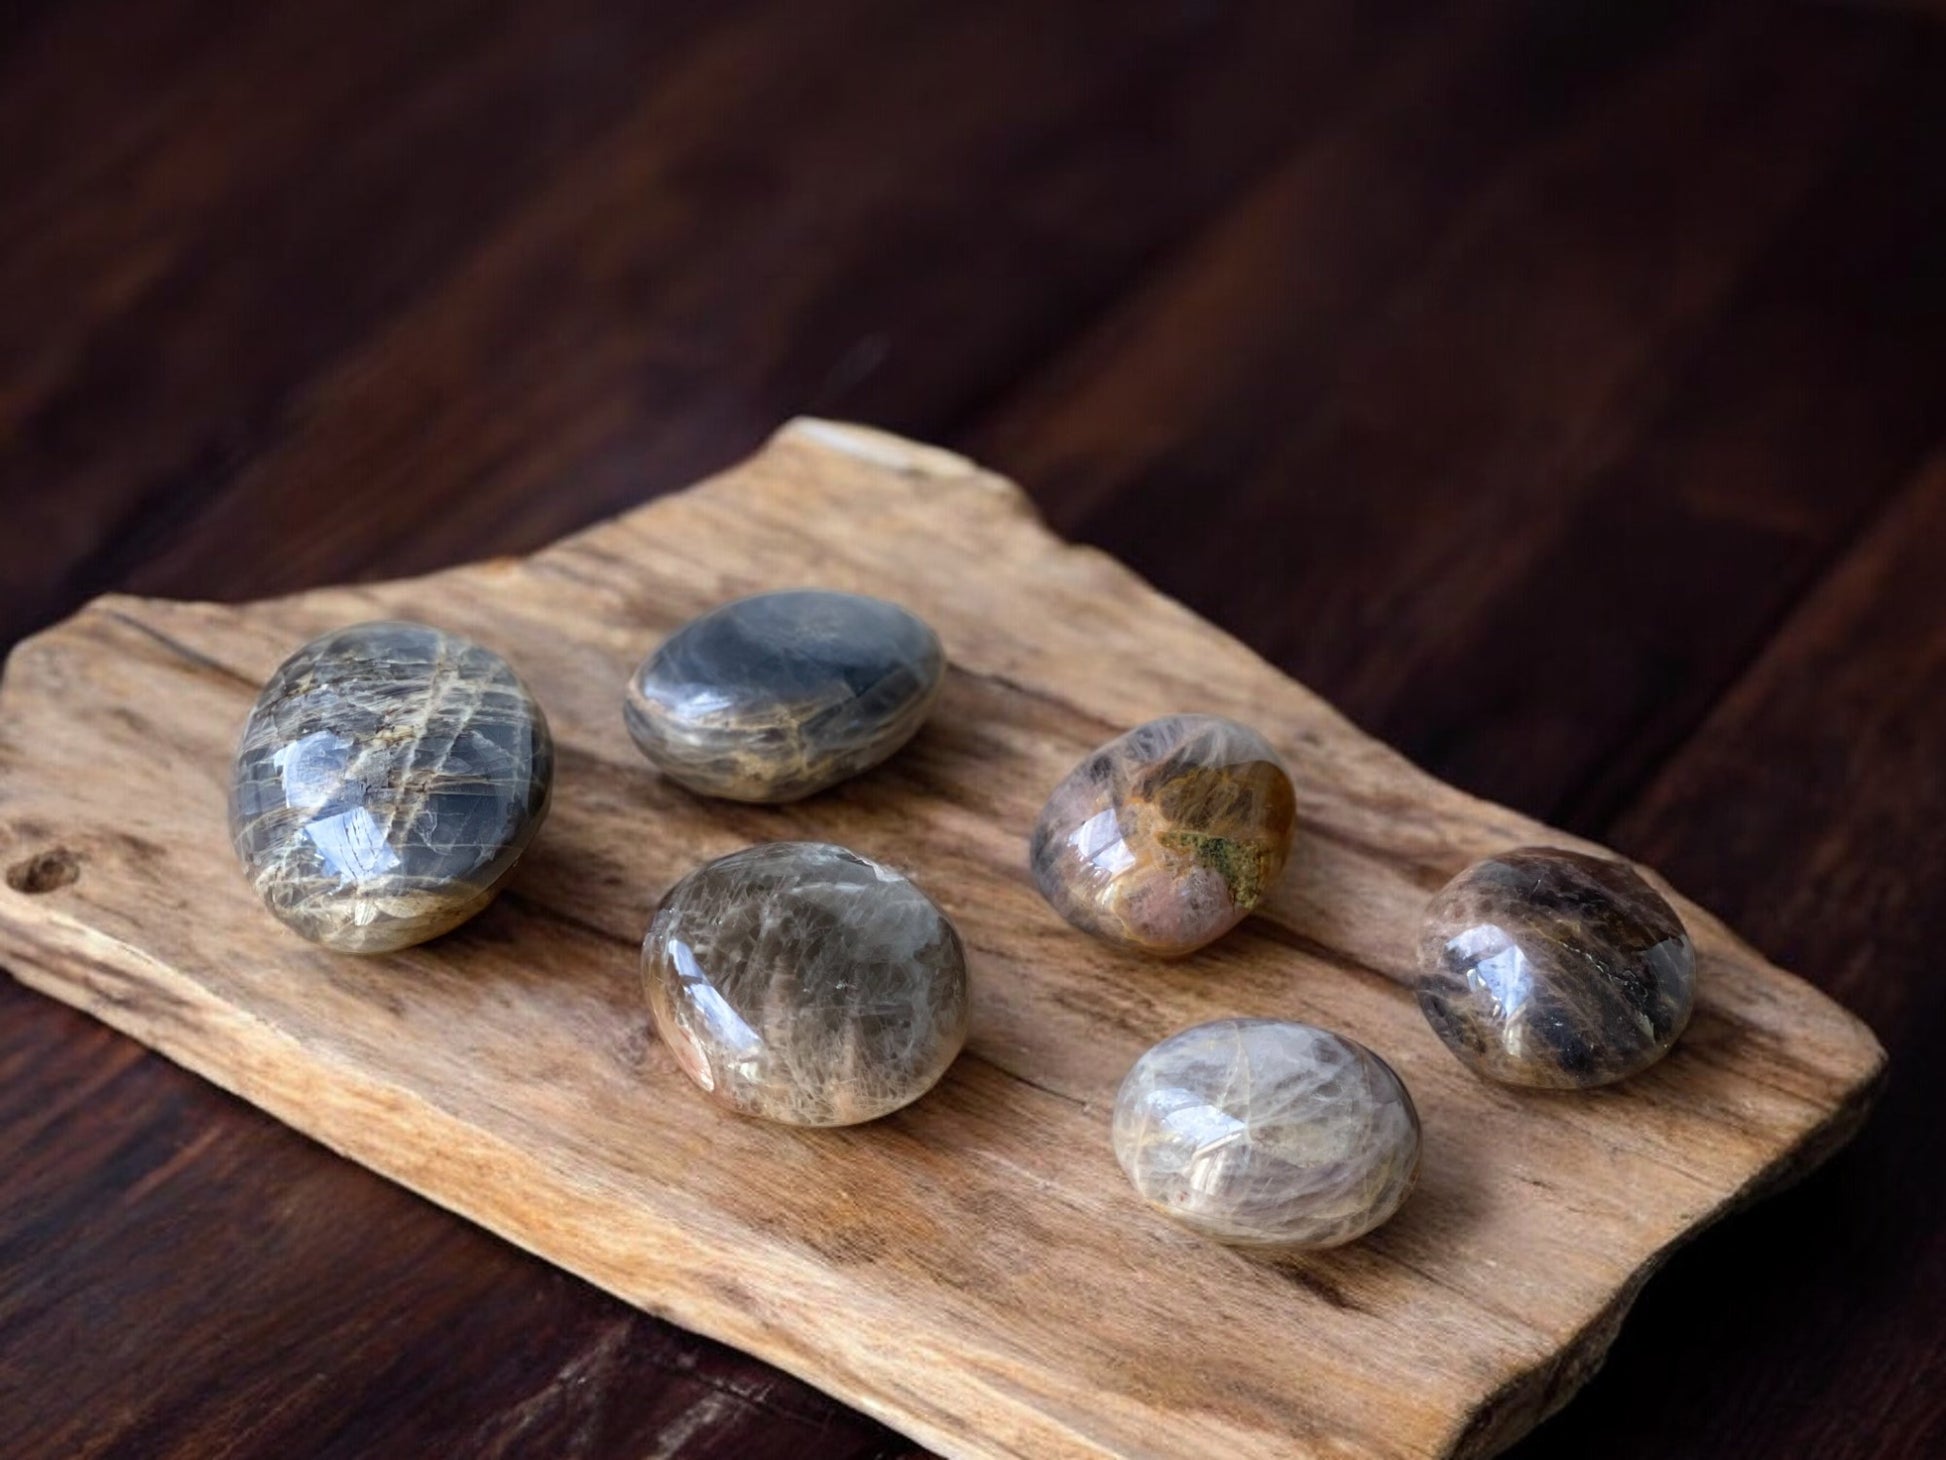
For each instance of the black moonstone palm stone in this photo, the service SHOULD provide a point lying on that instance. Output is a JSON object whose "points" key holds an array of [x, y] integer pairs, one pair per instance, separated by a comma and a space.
{"points": [[388, 778], [780, 696]]}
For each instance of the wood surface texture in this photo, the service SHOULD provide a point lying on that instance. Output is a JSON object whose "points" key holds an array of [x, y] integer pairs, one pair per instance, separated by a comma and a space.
{"points": [[1558, 387], [973, 1269]]}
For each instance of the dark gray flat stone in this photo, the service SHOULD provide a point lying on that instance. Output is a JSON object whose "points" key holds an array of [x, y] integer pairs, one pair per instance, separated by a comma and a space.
{"points": [[776, 697]]}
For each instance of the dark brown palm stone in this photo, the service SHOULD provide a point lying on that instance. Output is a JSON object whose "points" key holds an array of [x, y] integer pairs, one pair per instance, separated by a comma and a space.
{"points": [[1549, 968]]}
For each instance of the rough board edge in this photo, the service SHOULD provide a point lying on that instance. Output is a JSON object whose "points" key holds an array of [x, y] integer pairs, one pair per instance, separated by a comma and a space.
{"points": [[1529, 1399]]}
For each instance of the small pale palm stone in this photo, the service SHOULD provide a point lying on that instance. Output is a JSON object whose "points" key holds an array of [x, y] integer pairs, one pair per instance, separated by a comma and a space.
{"points": [[1263, 1133], [1549, 968], [803, 983], [779, 696], [1166, 837], [388, 779]]}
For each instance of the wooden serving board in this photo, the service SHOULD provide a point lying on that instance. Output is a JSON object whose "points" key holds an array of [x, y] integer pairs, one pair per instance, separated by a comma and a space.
{"points": [[974, 1270]]}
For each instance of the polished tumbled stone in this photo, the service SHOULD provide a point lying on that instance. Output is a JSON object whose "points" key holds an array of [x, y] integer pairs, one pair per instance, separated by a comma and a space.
{"points": [[1263, 1133], [779, 696], [803, 983], [1549, 968], [1166, 837], [388, 779]]}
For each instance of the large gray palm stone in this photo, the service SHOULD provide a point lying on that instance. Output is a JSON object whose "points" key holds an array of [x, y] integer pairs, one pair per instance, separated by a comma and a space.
{"points": [[803, 983], [388, 778]]}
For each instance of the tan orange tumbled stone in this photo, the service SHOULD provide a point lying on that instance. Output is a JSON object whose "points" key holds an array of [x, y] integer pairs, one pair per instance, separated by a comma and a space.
{"points": [[1166, 837]]}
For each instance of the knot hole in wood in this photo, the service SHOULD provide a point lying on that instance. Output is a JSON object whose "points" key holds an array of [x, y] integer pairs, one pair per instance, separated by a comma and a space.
{"points": [[47, 871]]}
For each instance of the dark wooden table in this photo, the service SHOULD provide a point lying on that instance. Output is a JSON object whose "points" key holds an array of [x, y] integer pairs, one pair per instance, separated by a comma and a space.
{"points": [[1560, 387]]}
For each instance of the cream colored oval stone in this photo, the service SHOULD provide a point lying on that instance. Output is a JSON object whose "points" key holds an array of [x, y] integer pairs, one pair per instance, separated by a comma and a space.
{"points": [[1267, 1133]]}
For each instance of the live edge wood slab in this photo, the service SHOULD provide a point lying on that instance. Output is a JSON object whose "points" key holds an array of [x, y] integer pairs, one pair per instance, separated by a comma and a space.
{"points": [[974, 1270]]}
